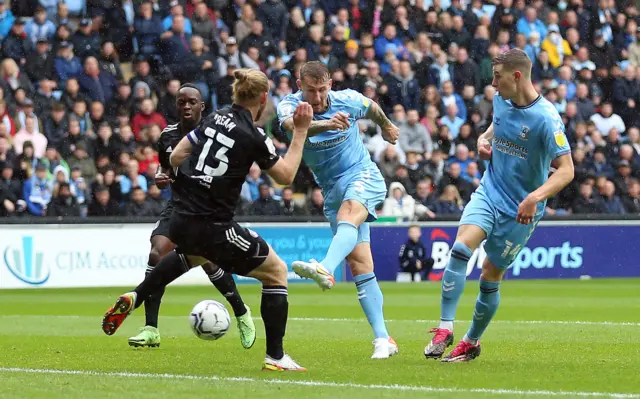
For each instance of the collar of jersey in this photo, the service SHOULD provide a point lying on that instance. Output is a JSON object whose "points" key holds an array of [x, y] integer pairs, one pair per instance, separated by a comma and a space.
{"points": [[526, 106]]}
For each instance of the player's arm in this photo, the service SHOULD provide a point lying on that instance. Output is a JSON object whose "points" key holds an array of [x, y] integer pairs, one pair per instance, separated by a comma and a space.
{"points": [[285, 169], [484, 143], [557, 181], [390, 132], [183, 149], [339, 121]]}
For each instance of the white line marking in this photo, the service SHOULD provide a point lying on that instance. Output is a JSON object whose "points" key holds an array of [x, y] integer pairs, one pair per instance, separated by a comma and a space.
{"points": [[346, 320], [394, 387]]}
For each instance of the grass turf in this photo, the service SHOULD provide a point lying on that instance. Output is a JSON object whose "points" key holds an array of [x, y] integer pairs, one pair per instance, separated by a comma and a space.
{"points": [[536, 345]]}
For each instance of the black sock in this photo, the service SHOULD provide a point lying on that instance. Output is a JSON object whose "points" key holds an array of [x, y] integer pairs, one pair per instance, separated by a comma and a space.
{"points": [[168, 269], [227, 286], [274, 310], [152, 303]]}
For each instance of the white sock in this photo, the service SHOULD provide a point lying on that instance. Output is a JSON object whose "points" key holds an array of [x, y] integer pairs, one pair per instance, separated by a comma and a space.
{"points": [[447, 325], [469, 340]]}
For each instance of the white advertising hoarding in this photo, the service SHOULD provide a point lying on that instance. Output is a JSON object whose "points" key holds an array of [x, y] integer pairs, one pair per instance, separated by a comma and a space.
{"points": [[78, 256]]}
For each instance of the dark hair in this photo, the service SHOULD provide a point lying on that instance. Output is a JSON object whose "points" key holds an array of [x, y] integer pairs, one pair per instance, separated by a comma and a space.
{"points": [[57, 107], [316, 70], [189, 86]]}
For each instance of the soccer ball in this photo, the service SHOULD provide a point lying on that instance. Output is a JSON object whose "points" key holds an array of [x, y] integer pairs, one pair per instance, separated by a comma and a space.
{"points": [[209, 320]]}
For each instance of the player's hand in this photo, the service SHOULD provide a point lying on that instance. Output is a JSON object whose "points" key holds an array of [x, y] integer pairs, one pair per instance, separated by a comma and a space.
{"points": [[340, 121], [302, 116], [526, 211], [390, 133], [162, 181], [484, 149]]}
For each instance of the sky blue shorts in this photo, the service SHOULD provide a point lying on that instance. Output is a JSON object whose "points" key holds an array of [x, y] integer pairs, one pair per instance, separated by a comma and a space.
{"points": [[505, 236], [367, 187]]}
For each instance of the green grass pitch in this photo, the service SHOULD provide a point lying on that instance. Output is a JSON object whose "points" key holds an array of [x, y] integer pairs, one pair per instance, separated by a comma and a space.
{"points": [[549, 339]]}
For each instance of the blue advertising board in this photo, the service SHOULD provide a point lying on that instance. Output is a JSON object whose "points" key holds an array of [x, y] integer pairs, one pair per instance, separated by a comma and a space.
{"points": [[555, 250], [293, 243]]}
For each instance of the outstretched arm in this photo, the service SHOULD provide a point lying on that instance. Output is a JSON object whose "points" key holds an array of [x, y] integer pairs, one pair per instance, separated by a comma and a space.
{"points": [[285, 169], [182, 150], [390, 132], [338, 122], [377, 115]]}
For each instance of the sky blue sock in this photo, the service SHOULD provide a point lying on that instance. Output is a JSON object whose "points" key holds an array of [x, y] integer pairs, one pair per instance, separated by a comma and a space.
{"points": [[486, 307], [371, 301], [453, 280], [342, 244]]}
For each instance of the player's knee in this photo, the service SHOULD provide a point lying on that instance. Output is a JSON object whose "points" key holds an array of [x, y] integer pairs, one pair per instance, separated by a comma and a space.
{"points": [[352, 211], [491, 272], [359, 266], [471, 236], [210, 268], [154, 257], [275, 274]]}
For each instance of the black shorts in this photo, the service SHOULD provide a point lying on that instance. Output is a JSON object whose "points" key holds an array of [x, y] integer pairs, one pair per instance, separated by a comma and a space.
{"points": [[162, 225], [227, 244]]}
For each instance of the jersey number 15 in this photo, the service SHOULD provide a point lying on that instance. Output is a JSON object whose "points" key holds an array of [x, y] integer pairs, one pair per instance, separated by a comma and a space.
{"points": [[221, 154]]}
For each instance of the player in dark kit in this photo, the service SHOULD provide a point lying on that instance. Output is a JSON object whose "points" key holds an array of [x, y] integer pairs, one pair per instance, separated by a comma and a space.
{"points": [[211, 164], [190, 106]]}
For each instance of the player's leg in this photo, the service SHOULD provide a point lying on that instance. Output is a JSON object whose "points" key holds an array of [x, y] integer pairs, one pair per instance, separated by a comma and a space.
{"points": [[345, 224], [255, 258], [350, 216], [149, 335], [357, 196], [225, 283], [369, 294], [502, 247], [486, 307], [476, 222], [170, 267]]}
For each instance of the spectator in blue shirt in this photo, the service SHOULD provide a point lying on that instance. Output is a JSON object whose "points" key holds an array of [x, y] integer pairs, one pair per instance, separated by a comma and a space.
{"points": [[530, 23], [612, 202], [39, 27], [67, 65], [176, 9], [250, 188], [389, 42], [452, 121], [450, 97], [132, 179], [38, 190], [6, 19], [147, 28], [98, 85]]}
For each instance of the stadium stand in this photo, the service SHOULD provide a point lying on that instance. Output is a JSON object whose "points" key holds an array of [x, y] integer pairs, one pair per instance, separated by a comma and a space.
{"points": [[86, 87]]}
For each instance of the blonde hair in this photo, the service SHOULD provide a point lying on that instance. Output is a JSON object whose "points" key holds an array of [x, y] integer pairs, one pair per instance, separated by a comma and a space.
{"points": [[451, 189], [9, 68], [248, 86]]}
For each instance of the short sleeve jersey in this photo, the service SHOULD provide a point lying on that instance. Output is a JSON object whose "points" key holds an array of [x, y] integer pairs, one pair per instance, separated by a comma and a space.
{"points": [[225, 145]]}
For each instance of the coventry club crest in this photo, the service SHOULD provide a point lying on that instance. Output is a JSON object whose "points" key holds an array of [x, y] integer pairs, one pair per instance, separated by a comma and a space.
{"points": [[524, 133]]}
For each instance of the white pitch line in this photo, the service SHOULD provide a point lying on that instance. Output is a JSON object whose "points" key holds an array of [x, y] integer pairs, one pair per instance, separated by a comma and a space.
{"points": [[347, 320], [308, 383]]}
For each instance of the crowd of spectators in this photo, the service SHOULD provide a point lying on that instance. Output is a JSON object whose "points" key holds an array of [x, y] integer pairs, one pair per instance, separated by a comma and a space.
{"points": [[86, 87]]}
